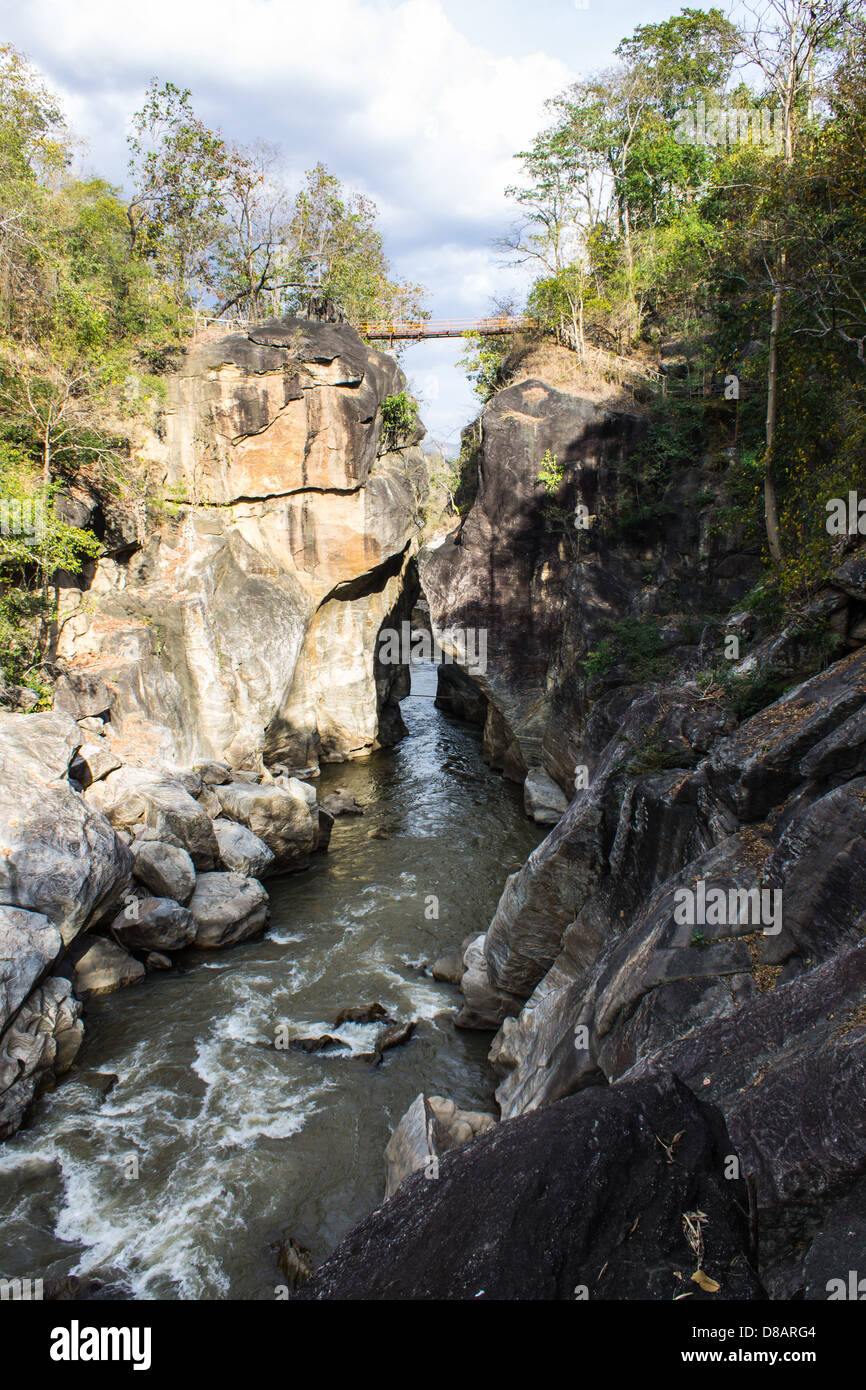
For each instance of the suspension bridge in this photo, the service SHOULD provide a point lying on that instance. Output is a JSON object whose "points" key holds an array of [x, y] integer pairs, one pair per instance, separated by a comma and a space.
{"points": [[396, 329]]}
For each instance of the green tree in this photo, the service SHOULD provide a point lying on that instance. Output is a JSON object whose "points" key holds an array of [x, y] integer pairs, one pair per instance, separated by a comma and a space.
{"points": [[180, 171]]}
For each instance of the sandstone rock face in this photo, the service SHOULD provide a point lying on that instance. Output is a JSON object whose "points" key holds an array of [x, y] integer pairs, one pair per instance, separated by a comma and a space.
{"points": [[227, 908], [245, 626], [579, 1197]]}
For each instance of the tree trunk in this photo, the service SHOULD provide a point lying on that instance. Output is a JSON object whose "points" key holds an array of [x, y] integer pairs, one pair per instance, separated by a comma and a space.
{"points": [[771, 512]]}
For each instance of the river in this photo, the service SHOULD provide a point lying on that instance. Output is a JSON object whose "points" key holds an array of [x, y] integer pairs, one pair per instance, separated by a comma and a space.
{"points": [[177, 1179]]}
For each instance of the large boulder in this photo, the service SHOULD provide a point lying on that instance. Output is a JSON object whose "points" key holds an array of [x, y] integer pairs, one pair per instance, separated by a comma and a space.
{"points": [[137, 796], [58, 855], [617, 1193], [280, 816], [431, 1127], [228, 908], [241, 850], [101, 967], [154, 924], [167, 870]]}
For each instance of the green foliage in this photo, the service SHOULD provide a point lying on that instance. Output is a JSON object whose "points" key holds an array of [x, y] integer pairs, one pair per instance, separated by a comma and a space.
{"points": [[336, 247], [399, 419], [484, 362], [34, 543], [634, 644], [550, 474]]}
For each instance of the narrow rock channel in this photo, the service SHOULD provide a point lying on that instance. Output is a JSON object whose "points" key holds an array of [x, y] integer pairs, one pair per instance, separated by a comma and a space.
{"points": [[184, 1142]]}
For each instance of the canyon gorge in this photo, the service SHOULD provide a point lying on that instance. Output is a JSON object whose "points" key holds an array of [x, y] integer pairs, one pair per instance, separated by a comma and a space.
{"points": [[580, 1067]]}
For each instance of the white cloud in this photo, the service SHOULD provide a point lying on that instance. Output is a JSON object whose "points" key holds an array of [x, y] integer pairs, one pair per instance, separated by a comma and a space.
{"points": [[390, 95]]}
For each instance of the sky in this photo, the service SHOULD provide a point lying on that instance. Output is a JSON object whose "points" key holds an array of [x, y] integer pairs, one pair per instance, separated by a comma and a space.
{"points": [[419, 104]]}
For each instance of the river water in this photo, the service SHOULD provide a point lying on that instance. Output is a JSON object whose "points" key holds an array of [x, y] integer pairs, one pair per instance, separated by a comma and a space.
{"points": [[178, 1179]]}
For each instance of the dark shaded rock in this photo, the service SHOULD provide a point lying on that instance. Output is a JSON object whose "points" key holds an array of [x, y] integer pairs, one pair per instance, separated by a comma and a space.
{"points": [[155, 960], [323, 1043], [326, 825], [394, 1037], [590, 1194], [363, 1013], [295, 1262], [458, 696], [214, 774], [154, 924], [789, 1072]]}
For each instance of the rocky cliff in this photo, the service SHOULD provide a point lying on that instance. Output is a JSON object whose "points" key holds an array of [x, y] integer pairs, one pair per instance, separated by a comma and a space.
{"points": [[590, 969], [238, 617]]}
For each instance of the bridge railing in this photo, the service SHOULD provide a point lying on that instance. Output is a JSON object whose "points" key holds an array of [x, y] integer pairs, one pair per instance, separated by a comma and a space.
{"points": [[444, 328]]}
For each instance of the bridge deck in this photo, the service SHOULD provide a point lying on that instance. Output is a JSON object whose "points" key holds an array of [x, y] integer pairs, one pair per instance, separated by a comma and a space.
{"points": [[392, 329]]}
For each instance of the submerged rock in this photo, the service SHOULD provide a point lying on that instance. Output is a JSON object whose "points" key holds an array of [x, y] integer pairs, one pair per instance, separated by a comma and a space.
{"points": [[363, 1013], [323, 1042], [394, 1036], [341, 803]]}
